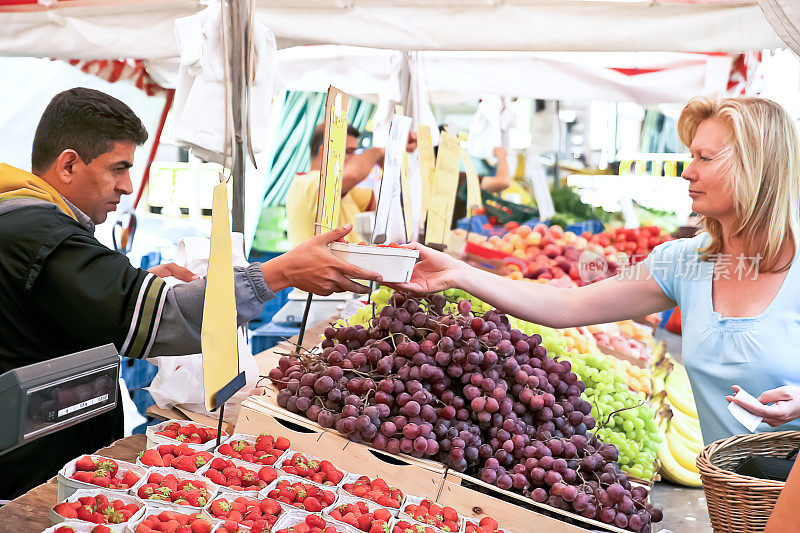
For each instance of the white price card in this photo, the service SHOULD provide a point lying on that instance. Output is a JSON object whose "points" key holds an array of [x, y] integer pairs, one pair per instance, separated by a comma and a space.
{"points": [[541, 193], [390, 182], [748, 419], [628, 212]]}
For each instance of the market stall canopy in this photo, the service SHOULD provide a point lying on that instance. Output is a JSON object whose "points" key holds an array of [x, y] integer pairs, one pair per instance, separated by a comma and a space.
{"points": [[784, 16], [644, 78], [98, 29]]}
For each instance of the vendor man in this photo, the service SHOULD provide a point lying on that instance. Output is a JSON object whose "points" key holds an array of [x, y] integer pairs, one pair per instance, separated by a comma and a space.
{"points": [[62, 291], [301, 200]]}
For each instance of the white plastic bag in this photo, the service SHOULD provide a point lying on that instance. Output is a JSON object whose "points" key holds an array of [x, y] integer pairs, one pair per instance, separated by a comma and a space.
{"points": [[179, 382]]}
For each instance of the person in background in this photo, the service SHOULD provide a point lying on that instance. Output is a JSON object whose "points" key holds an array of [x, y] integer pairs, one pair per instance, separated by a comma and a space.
{"points": [[737, 282], [62, 291], [502, 176], [301, 200]]}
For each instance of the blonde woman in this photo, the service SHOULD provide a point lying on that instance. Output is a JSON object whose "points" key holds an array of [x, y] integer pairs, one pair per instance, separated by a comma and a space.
{"points": [[737, 283]]}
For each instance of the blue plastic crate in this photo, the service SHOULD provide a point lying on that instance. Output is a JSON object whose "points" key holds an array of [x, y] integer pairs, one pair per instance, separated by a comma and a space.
{"points": [[269, 335], [592, 226]]}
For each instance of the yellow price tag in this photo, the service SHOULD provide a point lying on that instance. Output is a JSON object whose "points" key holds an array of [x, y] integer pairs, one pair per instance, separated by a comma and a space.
{"points": [[406, 192], [218, 335], [443, 196], [473, 184], [426, 162], [334, 143]]}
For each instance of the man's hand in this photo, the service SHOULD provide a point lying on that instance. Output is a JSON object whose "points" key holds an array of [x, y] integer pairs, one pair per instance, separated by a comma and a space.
{"points": [[358, 166], [786, 406], [411, 144], [172, 270], [499, 152], [312, 267], [435, 271]]}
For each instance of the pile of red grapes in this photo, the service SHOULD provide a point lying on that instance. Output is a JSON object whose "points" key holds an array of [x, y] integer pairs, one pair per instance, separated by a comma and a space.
{"points": [[470, 392]]}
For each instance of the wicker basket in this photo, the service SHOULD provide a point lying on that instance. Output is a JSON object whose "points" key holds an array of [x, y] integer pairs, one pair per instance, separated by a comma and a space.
{"points": [[736, 503]]}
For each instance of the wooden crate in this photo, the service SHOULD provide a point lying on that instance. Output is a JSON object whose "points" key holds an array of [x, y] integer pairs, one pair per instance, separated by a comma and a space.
{"points": [[411, 475], [510, 517], [460, 491]]}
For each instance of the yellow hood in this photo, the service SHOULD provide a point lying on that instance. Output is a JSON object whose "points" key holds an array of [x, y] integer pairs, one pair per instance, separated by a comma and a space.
{"points": [[16, 183]]}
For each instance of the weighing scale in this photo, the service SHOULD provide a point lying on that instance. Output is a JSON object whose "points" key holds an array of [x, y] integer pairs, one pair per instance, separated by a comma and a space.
{"points": [[49, 396]]}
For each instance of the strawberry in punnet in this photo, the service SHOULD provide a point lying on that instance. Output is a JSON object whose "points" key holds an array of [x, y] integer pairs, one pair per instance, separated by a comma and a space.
{"points": [[258, 515], [264, 450], [103, 472], [486, 525], [361, 517], [225, 473], [177, 522], [229, 526], [405, 526], [170, 488], [189, 433], [313, 524], [151, 457], [321, 472], [99, 510], [432, 514], [65, 529], [100, 528], [376, 490], [302, 495]]}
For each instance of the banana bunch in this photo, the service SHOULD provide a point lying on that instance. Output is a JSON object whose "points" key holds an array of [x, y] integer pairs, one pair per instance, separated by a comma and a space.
{"points": [[676, 415]]}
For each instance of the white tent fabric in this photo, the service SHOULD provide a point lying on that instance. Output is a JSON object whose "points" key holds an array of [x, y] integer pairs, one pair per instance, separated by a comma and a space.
{"points": [[100, 29], [784, 16], [644, 78]]}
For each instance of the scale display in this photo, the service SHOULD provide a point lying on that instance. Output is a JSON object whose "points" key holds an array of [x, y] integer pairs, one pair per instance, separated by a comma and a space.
{"points": [[51, 395]]}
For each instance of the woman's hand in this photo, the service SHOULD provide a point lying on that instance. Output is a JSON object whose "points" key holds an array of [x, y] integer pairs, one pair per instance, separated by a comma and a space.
{"points": [[785, 404], [172, 270], [435, 271], [311, 267]]}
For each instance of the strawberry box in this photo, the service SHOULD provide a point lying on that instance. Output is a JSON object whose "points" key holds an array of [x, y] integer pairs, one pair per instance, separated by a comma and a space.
{"points": [[319, 471], [257, 514], [198, 436], [175, 489], [158, 519], [295, 493], [178, 456], [374, 490], [232, 475], [71, 526], [487, 524], [262, 449], [99, 507], [360, 514], [428, 513], [85, 472], [309, 523]]}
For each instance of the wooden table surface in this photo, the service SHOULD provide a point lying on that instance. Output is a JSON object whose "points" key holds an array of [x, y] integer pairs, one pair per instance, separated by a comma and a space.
{"points": [[30, 512]]}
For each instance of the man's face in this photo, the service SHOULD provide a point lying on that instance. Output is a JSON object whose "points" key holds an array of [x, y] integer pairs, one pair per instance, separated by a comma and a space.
{"points": [[351, 145], [99, 185]]}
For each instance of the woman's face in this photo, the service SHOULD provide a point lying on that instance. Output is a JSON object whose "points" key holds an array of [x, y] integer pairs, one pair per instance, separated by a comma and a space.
{"points": [[709, 184]]}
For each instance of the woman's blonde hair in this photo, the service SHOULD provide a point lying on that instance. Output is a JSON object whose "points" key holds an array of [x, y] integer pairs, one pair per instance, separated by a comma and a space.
{"points": [[762, 159]]}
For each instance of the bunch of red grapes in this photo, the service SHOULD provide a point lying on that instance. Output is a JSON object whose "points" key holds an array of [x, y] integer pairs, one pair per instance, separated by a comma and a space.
{"points": [[470, 392]]}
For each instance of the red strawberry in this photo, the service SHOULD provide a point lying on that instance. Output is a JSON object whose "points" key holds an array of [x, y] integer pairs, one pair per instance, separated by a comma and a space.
{"points": [[100, 528], [130, 478], [85, 463], [86, 477], [67, 510], [65, 529], [151, 457]]}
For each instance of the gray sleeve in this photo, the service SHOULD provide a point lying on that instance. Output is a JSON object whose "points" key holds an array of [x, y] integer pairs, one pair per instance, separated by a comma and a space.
{"points": [[178, 331]]}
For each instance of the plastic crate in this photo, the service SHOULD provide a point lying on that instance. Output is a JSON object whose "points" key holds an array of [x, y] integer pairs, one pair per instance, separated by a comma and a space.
{"points": [[269, 335]]}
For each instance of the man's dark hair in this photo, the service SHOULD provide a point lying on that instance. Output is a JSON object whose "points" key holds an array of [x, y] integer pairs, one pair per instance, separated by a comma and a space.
{"points": [[319, 133], [84, 120]]}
